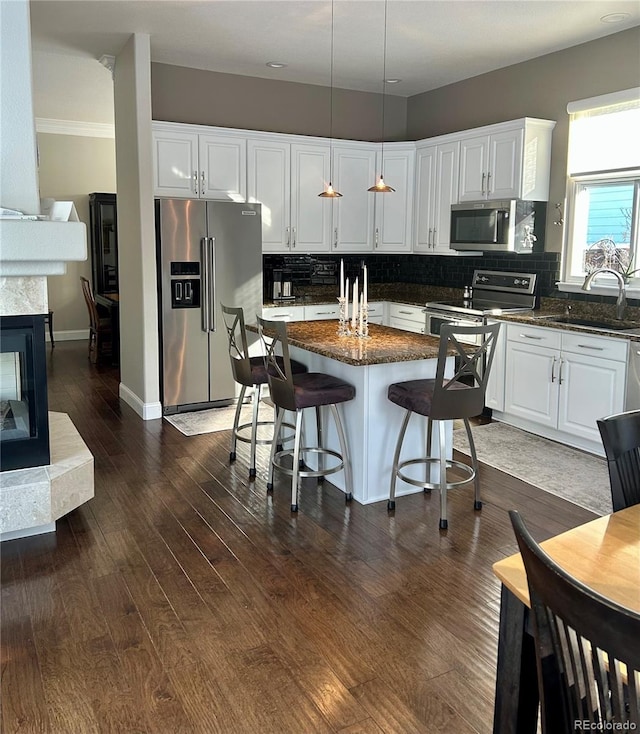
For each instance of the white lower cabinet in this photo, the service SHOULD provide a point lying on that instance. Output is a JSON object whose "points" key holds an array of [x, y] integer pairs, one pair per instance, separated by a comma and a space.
{"points": [[494, 395], [283, 313], [376, 312], [409, 318], [558, 384], [324, 311]]}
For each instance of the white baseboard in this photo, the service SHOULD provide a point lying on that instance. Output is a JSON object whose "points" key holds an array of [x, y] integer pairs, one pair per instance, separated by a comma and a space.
{"points": [[147, 411], [71, 335]]}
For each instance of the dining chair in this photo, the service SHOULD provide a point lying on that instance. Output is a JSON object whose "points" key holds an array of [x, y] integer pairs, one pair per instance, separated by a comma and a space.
{"points": [[587, 648], [444, 399], [250, 372], [297, 392], [621, 440], [100, 332]]}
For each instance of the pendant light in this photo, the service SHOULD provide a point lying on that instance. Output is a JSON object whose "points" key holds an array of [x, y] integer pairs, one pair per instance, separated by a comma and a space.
{"points": [[380, 187], [330, 192]]}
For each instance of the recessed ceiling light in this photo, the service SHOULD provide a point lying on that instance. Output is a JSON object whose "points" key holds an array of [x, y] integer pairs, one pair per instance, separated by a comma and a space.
{"points": [[615, 17], [276, 64], [392, 81]]}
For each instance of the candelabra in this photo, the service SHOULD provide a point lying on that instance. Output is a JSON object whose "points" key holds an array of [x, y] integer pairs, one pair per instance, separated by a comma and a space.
{"points": [[362, 328], [343, 321]]}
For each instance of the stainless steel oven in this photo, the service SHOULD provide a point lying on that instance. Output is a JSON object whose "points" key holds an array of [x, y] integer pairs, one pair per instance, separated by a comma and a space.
{"points": [[436, 318]]}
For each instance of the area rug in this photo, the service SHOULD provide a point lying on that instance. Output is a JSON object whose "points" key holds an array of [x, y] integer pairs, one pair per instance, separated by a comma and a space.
{"points": [[575, 475], [208, 421]]}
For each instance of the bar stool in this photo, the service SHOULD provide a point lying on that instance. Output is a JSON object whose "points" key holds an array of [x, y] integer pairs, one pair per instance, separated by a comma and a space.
{"points": [[296, 392], [250, 372], [443, 399]]}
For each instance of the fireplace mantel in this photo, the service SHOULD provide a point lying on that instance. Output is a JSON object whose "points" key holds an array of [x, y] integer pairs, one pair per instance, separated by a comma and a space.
{"points": [[40, 247]]}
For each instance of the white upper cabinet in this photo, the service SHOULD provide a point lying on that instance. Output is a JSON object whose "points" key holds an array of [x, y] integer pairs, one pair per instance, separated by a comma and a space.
{"points": [[190, 163], [269, 183], [286, 179], [310, 214], [437, 169], [354, 170], [394, 211], [506, 161]]}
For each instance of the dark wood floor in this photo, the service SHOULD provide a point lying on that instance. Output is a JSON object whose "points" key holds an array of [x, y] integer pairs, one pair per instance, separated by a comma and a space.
{"points": [[183, 598]]}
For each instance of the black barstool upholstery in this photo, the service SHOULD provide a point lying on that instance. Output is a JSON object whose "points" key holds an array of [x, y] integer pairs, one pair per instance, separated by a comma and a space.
{"points": [[250, 372], [443, 399], [296, 392]]}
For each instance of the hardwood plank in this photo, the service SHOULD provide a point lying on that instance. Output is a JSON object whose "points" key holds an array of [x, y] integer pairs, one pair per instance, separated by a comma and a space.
{"points": [[185, 598]]}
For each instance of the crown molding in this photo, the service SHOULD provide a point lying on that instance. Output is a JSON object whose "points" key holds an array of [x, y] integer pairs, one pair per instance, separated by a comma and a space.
{"points": [[72, 127]]}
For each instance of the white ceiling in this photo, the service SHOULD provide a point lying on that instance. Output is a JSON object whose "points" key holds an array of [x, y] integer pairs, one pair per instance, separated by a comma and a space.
{"points": [[430, 43]]}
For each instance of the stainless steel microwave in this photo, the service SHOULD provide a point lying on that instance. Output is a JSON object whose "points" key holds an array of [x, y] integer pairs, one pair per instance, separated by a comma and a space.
{"points": [[494, 226]]}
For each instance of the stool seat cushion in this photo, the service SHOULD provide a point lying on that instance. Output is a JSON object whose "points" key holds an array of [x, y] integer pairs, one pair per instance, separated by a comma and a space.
{"points": [[259, 371], [417, 395], [312, 389]]}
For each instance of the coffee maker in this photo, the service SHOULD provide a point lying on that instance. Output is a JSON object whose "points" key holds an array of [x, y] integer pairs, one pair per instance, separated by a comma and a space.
{"points": [[282, 289]]}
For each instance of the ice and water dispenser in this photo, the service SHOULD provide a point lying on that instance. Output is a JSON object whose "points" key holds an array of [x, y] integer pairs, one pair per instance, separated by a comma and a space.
{"points": [[185, 289]]}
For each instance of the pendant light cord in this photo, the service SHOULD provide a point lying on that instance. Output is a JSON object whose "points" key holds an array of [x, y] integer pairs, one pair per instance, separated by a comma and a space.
{"points": [[331, 103], [384, 83]]}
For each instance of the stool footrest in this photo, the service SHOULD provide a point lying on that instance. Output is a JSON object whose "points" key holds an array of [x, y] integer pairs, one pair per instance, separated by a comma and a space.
{"points": [[451, 464], [249, 426], [277, 462]]}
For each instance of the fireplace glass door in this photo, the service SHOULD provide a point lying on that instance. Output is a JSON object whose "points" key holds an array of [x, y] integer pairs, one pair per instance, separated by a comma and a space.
{"points": [[24, 423]]}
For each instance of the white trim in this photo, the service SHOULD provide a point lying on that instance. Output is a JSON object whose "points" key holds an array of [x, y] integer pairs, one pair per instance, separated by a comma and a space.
{"points": [[72, 127], [147, 411], [69, 335], [603, 100]]}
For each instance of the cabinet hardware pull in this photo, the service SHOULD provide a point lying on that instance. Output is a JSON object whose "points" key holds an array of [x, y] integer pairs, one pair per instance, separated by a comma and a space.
{"points": [[484, 175], [429, 237], [203, 186], [293, 236], [529, 336], [560, 372], [489, 182], [287, 230], [434, 238], [195, 183], [553, 367], [409, 312], [324, 313], [335, 237], [588, 346], [376, 241]]}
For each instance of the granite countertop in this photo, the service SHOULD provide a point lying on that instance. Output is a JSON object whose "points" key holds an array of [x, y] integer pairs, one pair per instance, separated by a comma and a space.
{"points": [[628, 329], [384, 346]]}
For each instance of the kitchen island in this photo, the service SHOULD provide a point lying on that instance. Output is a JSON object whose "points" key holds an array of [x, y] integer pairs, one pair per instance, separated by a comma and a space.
{"points": [[372, 422]]}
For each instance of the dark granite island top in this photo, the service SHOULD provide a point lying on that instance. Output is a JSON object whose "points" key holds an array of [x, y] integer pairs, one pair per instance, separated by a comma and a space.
{"points": [[385, 345]]}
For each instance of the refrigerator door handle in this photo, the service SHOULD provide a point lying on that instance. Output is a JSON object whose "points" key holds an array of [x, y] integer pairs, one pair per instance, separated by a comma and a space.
{"points": [[206, 278], [211, 291]]}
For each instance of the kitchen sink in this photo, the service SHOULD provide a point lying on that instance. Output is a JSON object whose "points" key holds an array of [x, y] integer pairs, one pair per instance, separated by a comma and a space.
{"points": [[590, 323]]}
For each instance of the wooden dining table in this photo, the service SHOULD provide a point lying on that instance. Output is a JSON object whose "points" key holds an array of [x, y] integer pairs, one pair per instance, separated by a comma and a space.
{"points": [[605, 555]]}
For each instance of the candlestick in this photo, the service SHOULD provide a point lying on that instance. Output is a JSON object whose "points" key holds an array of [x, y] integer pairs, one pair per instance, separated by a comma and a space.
{"points": [[346, 301], [341, 278], [343, 329], [361, 311], [354, 305], [364, 289]]}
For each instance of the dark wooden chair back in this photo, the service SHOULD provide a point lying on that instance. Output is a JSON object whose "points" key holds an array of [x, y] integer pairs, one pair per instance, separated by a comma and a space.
{"points": [[94, 318], [621, 440], [587, 647], [472, 368]]}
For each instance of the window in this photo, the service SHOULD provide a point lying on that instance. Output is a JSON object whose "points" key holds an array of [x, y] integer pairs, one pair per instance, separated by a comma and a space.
{"points": [[603, 194]]}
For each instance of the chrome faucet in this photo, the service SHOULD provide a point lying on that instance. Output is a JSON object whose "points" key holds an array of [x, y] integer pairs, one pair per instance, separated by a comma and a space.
{"points": [[621, 303]]}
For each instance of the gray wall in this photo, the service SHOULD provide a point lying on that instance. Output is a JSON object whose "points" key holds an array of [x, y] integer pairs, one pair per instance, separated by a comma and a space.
{"points": [[200, 97], [537, 88], [70, 168]]}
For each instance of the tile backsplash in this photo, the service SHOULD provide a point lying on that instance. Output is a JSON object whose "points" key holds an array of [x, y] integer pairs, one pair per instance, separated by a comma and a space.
{"points": [[451, 272]]}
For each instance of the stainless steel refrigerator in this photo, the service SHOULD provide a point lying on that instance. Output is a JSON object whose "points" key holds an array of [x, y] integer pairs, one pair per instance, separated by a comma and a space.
{"points": [[209, 252]]}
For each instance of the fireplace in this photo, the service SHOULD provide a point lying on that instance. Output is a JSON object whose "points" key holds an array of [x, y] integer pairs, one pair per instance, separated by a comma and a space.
{"points": [[24, 424]]}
